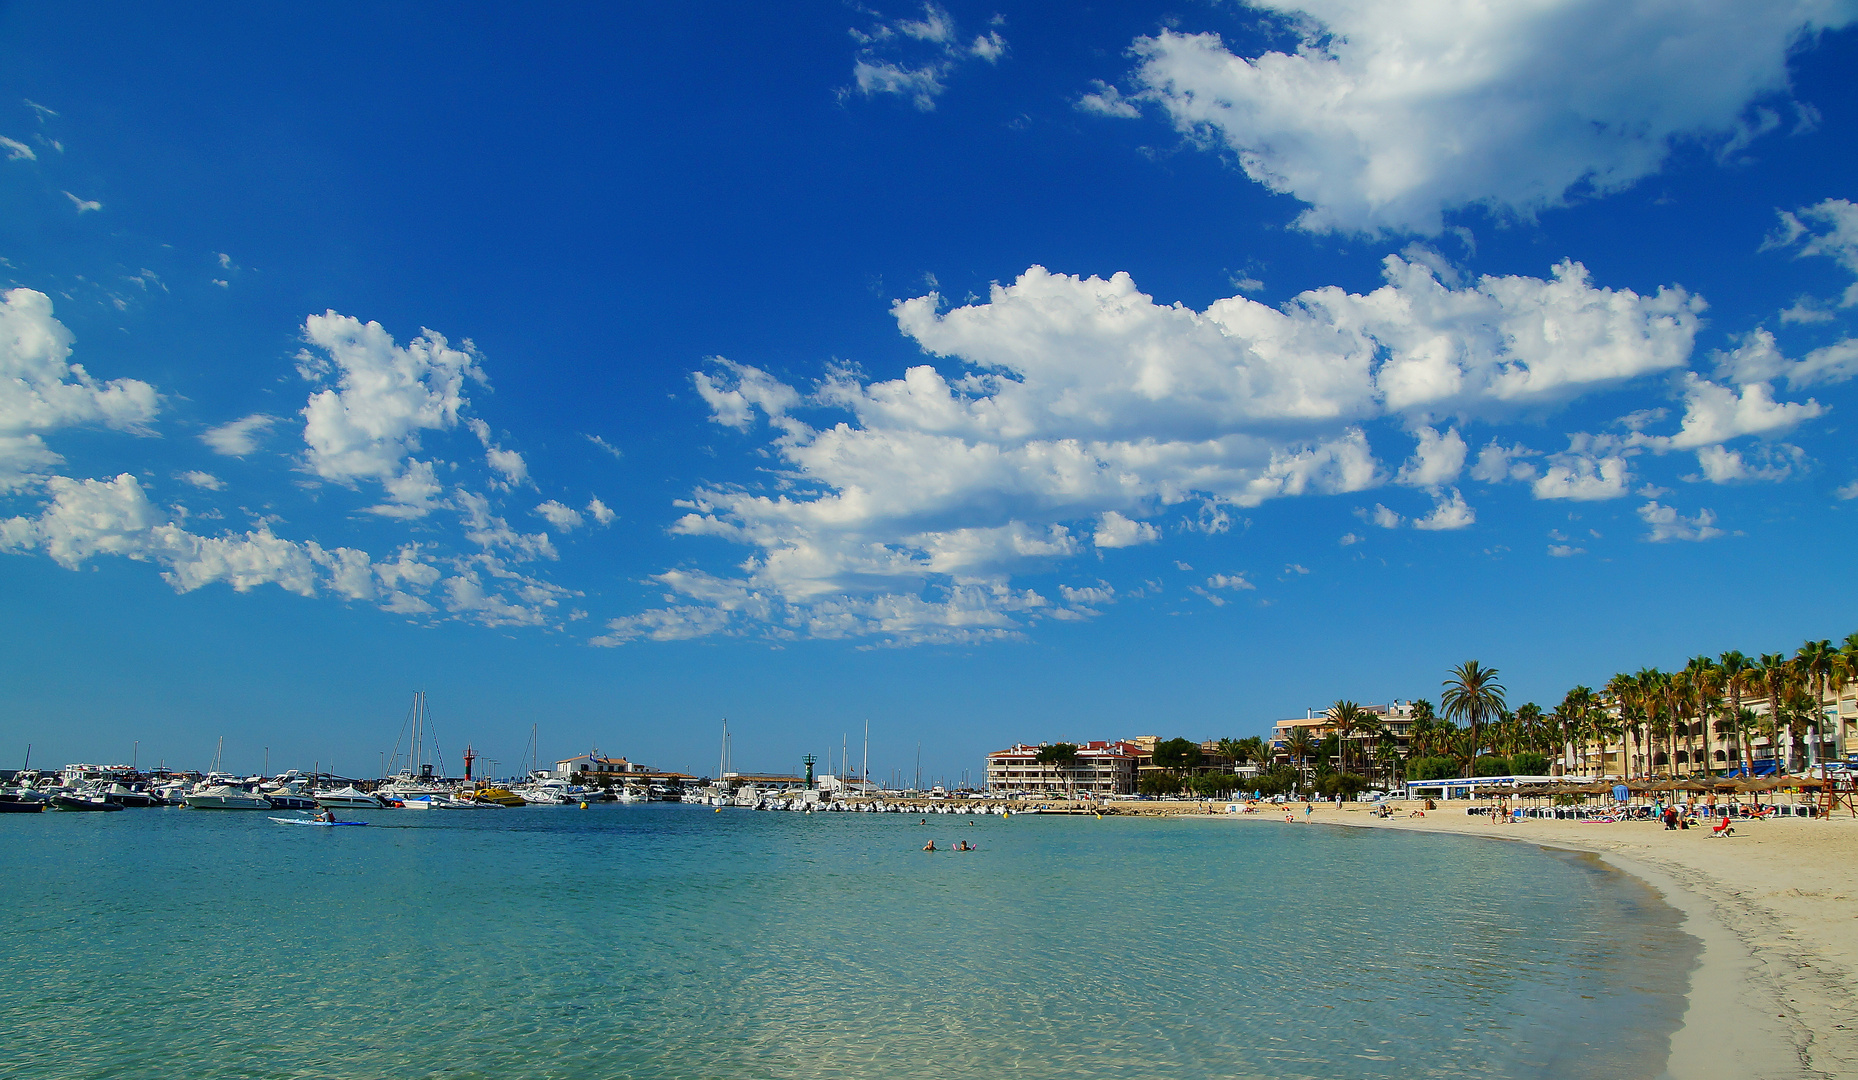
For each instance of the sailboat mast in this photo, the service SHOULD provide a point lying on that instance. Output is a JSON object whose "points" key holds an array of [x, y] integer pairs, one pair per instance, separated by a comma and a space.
{"points": [[722, 756], [864, 767]]}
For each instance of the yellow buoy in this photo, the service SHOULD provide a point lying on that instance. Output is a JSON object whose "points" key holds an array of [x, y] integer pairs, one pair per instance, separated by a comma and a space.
{"points": [[719, 809], [583, 806]]}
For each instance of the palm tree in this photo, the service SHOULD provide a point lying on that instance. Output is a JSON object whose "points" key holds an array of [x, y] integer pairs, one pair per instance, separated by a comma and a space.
{"points": [[1625, 694], [1473, 694], [1773, 676], [1800, 711], [1576, 716], [1706, 696], [1234, 750], [1815, 662], [1737, 669], [1605, 728], [1651, 701], [1300, 745], [1350, 720], [1387, 755], [1726, 726], [1745, 722], [1529, 727], [1844, 672], [1675, 689]]}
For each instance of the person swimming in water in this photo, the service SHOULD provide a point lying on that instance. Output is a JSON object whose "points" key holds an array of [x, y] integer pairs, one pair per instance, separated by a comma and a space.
{"points": [[930, 846]]}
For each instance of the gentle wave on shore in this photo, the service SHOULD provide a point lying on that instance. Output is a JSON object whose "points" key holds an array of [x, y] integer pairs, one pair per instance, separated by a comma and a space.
{"points": [[667, 941]]}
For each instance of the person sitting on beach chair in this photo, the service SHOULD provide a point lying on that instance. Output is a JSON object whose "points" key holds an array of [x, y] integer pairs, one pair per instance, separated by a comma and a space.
{"points": [[1724, 829]]}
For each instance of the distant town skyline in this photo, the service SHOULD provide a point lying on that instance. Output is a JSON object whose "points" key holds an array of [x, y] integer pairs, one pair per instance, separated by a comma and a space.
{"points": [[990, 373]]}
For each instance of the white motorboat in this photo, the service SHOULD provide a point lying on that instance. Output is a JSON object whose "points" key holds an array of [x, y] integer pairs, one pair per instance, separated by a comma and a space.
{"points": [[227, 797], [550, 791], [347, 798], [441, 802]]}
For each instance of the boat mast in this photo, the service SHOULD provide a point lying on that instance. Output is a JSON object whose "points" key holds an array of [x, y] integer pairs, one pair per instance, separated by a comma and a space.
{"points": [[722, 757]]}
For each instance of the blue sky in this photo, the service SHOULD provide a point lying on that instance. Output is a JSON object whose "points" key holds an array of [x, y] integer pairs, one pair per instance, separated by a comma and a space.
{"points": [[986, 371]]}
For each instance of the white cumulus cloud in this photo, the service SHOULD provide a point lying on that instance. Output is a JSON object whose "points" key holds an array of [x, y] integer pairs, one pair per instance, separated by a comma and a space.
{"points": [[1722, 465], [1667, 524], [913, 58], [562, 517], [1828, 228], [1117, 531], [1437, 460], [1717, 414], [1584, 476], [1387, 116], [1079, 408], [1449, 513], [1230, 581], [1758, 359], [41, 391], [366, 425], [239, 437], [88, 519]]}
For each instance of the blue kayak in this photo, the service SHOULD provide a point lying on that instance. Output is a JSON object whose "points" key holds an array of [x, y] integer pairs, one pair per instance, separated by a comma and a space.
{"points": [[325, 824]]}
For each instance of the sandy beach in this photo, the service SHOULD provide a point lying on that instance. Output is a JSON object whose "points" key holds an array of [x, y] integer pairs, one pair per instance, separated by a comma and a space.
{"points": [[1775, 994]]}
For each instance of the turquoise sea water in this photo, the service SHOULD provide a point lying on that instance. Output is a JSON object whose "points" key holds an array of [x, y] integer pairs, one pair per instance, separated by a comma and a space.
{"points": [[669, 941]]}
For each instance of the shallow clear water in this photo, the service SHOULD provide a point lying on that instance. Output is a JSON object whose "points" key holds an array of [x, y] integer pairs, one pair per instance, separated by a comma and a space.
{"points": [[669, 941]]}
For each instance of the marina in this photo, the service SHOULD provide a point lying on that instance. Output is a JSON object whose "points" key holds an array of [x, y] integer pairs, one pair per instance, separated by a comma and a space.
{"points": [[665, 939]]}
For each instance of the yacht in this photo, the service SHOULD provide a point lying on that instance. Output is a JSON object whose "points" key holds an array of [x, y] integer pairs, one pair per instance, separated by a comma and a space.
{"points": [[126, 795], [290, 796], [347, 798], [441, 802], [82, 801], [227, 797], [287, 791]]}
